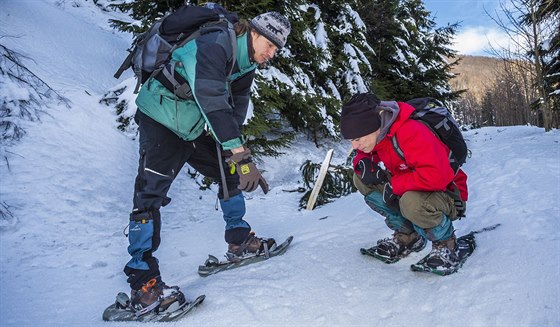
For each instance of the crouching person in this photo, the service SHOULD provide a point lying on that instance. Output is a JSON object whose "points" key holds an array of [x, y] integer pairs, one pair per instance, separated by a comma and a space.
{"points": [[411, 193]]}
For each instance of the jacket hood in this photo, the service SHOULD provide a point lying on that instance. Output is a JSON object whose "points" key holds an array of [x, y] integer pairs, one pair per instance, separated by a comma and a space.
{"points": [[394, 114]]}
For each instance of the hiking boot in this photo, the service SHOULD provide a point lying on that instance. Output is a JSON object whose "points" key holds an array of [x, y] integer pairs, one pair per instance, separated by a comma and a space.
{"points": [[152, 297], [400, 245], [444, 254], [251, 245]]}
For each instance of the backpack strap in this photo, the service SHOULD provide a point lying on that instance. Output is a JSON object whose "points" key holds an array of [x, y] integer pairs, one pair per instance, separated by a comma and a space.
{"points": [[125, 65], [460, 205], [175, 82], [395, 143], [454, 165], [233, 38], [397, 148]]}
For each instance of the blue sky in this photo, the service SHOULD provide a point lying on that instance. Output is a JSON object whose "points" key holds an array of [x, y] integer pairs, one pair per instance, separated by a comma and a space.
{"points": [[476, 28]]}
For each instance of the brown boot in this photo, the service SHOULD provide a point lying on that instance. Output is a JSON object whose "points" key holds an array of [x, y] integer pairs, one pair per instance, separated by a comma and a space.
{"points": [[148, 297], [400, 245], [252, 244], [444, 254], [151, 298]]}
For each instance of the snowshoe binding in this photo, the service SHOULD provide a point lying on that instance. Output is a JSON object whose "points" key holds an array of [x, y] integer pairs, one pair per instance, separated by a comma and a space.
{"points": [[447, 256], [253, 250], [392, 249], [155, 301]]}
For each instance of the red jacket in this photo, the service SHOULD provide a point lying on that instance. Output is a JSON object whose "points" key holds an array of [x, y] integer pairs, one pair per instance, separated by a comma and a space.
{"points": [[426, 166]]}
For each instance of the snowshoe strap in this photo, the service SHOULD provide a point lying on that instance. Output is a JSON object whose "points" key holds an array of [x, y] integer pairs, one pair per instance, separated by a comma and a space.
{"points": [[147, 309], [265, 245], [244, 245], [125, 65]]}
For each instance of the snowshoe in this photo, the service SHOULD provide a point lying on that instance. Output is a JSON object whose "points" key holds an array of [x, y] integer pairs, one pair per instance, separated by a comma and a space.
{"points": [[150, 304], [213, 265]]}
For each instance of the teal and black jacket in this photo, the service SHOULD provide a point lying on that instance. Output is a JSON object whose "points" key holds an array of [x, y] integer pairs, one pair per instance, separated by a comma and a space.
{"points": [[219, 101]]}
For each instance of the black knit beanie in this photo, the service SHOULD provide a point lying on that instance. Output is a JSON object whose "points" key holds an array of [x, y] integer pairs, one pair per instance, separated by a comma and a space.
{"points": [[360, 116]]}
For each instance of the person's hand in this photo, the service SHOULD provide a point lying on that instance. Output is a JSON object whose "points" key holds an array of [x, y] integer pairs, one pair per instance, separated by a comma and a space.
{"points": [[370, 172], [249, 176], [461, 207], [388, 195]]}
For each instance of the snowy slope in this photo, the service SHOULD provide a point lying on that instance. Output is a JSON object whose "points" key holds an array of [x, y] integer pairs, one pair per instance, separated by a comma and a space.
{"points": [[69, 188]]}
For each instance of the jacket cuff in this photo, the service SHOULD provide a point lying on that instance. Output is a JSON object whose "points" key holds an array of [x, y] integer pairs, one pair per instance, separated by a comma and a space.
{"points": [[232, 144]]}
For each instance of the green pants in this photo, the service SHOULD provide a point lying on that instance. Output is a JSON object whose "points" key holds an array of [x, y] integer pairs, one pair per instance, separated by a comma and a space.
{"points": [[423, 209]]}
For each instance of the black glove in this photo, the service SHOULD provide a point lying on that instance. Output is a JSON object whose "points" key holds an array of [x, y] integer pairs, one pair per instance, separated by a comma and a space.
{"points": [[388, 196], [370, 172], [249, 176], [461, 207]]}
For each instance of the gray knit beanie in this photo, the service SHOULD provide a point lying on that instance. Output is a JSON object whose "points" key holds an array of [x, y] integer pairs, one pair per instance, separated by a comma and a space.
{"points": [[274, 26]]}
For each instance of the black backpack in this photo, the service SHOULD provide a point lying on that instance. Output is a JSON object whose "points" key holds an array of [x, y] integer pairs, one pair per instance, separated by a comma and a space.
{"points": [[439, 120], [151, 52]]}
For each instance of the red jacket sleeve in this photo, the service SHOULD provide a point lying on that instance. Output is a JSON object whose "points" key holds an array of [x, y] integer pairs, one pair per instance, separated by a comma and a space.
{"points": [[427, 160]]}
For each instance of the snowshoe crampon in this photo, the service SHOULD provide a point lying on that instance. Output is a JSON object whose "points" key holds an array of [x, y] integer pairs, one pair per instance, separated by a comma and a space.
{"points": [[122, 310], [212, 265]]}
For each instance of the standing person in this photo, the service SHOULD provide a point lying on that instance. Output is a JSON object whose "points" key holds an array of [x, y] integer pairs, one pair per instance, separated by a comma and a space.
{"points": [[172, 133], [411, 194]]}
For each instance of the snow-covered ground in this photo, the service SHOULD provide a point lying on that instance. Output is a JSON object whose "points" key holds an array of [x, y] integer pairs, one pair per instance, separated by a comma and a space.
{"points": [[69, 188]]}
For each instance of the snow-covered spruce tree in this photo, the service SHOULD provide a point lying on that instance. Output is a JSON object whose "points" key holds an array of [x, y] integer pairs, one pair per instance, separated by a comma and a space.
{"points": [[411, 53], [409, 59], [23, 98], [121, 97], [144, 13], [325, 60]]}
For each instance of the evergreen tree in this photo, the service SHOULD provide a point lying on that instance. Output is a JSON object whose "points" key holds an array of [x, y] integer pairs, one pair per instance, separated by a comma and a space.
{"points": [[144, 12], [410, 51], [335, 50], [325, 60]]}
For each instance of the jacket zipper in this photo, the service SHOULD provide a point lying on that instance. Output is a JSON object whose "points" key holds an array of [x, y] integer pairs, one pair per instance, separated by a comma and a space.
{"points": [[196, 124]]}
